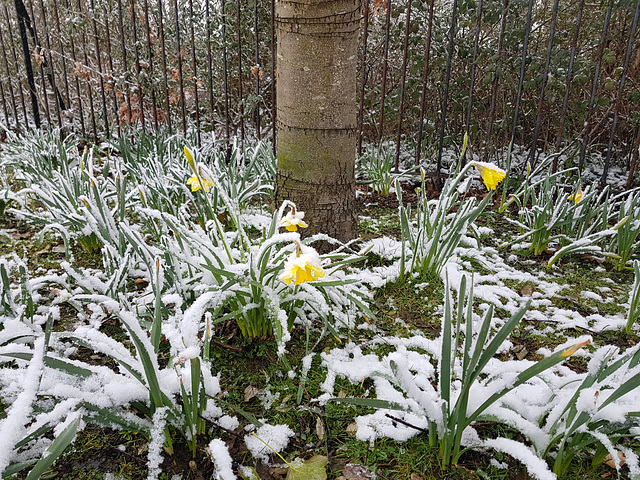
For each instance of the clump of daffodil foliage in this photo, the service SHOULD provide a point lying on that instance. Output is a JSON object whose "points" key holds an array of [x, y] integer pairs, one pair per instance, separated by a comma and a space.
{"points": [[562, 218], [437, 227]]}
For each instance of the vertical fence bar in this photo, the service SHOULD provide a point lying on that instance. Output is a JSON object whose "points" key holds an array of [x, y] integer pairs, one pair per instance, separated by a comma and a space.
{"points": [[125, 65], [4, 100], [403, 82], [594, 86], [494, 83], [623, 79], [15, 63], [273, 76], [137, 60], [565, 101], [634, 160], [152, 87], [363, 75], [21, 12], [257, 66], [533, 157], [180, 80], [240, 94], [226, 78], [4, 107], [100, 72], [225, 66], [88, 83], [72, 45], [34, 33], [209, 62], [110, 79], [445, 98], [62, 54], [10, 84], [523, 68], [164, 66], [59, 102], [385, 63], [472, 80], [425, 76], [195, 72]]}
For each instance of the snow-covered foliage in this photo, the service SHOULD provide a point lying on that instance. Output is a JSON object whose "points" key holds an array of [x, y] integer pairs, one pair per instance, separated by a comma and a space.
{"points": [[202, 256]]}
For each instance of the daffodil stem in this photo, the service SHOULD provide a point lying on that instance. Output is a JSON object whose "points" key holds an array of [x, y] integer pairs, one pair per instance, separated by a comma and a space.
{"points": [[281, 457]]}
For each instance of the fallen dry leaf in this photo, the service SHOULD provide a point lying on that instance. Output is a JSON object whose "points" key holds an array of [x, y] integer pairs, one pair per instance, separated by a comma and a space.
{"points": [[352, 428], [415, 476], [520, 351], [46, 249], [526, 290], [593, 258], [250, 392], [281, 469], [608, 460], [357, 472], [320, 428]]}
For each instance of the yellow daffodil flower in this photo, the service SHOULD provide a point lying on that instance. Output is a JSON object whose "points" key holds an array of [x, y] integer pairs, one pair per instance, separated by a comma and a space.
{"points": [[491, 174], [302, 267], [293, 220], [196, 184], [576, 197]]}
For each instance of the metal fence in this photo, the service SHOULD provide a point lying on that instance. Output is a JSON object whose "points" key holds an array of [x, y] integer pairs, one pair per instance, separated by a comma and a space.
{"points": [[545, 75]]}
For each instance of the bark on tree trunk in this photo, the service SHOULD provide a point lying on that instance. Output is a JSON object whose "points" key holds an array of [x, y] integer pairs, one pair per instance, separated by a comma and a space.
{"points": [[317, 111]]}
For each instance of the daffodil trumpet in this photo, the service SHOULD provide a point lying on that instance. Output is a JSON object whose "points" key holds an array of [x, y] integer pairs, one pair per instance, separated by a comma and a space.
{"points": [[491, 174], [292, 220], [576, 197], [302, 266]]}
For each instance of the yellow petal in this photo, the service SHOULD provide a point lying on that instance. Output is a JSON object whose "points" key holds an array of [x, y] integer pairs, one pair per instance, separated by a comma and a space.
{"points": [[492, 177], [302, 224], [194, 183], [303, 275], [307, 272], [316, 271], [287, 276], [576, 197], [206, 184], [291, 227]]}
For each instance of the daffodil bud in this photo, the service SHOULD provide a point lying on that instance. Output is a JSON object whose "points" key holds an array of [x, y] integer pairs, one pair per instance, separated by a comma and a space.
{"points": [[189, 156], [465, 142]]}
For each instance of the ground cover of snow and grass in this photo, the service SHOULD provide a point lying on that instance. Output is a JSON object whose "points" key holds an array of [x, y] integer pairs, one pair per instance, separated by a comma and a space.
{"points": [[159, 320]]}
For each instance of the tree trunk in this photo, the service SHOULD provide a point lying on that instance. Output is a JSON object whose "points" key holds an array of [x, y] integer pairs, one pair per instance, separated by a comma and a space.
{"points": [[317, 111]]}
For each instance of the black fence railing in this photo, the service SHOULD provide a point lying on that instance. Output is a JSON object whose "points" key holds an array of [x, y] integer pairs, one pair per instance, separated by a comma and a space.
{"points": [[549, 75]]}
